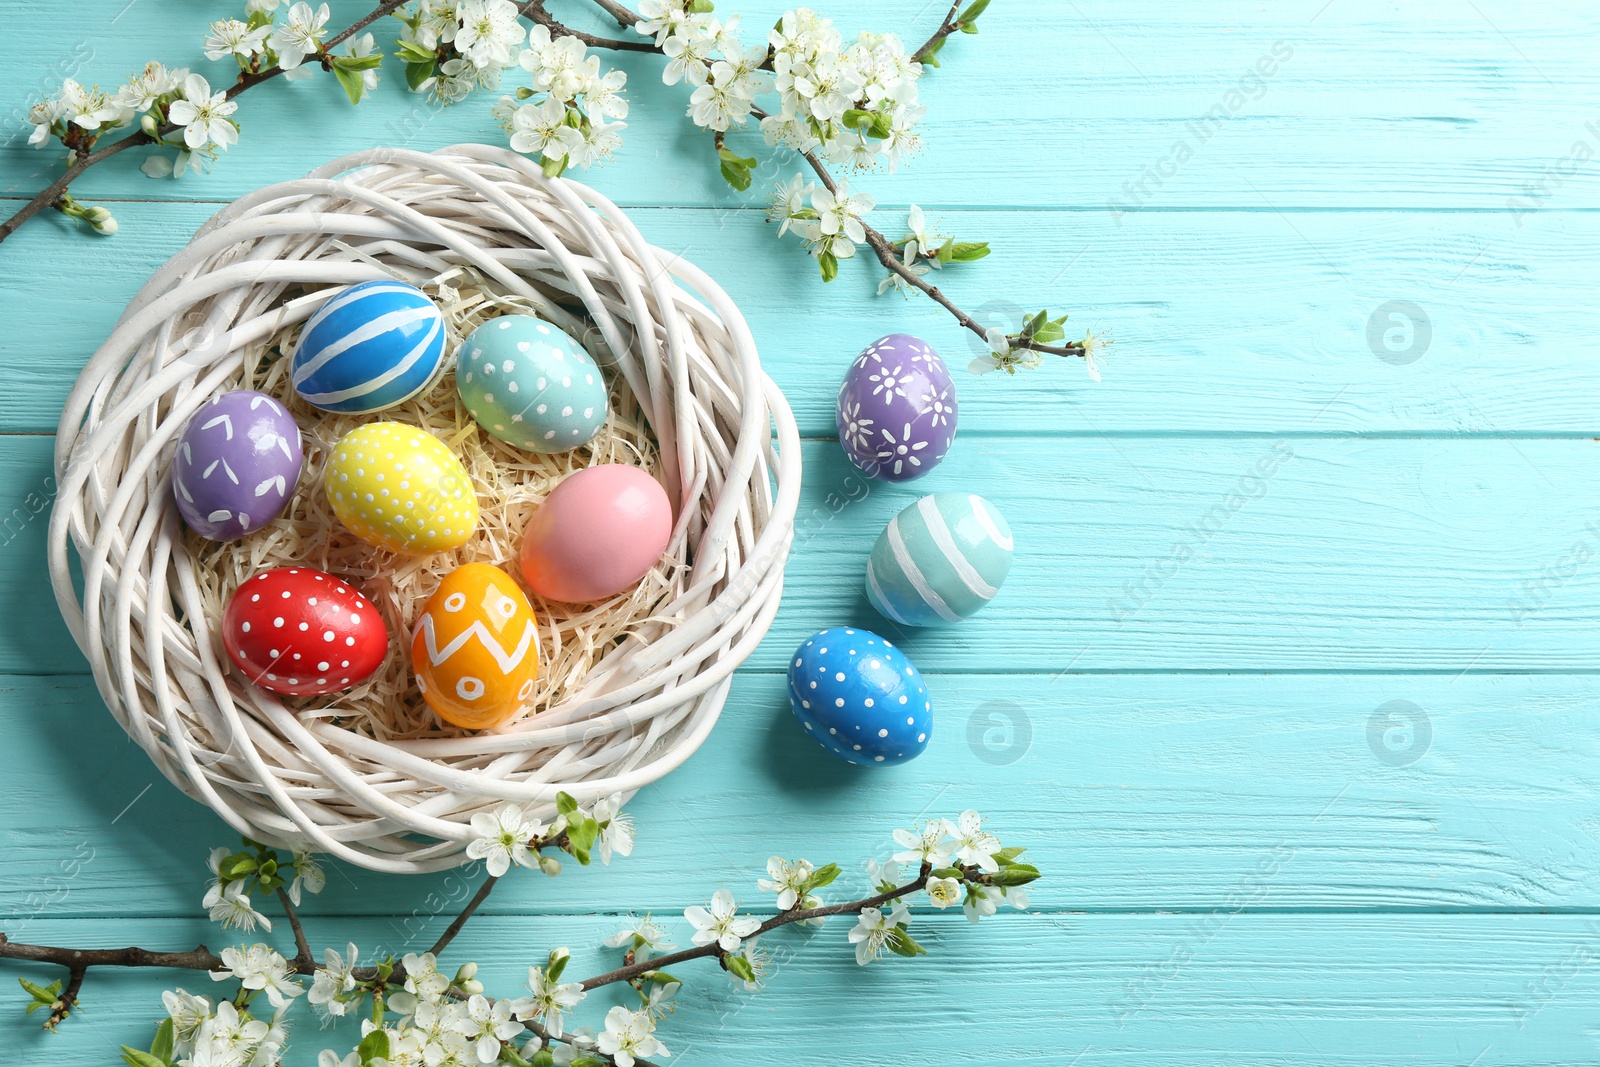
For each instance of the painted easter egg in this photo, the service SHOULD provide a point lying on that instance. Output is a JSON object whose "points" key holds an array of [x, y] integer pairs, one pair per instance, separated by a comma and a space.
{"points": [[237, 464], [596, 534], [859, 697], [301, 632], [530, 385], [370, 347], [475, 648], [939, 560], [399, 488], [896, 412]]}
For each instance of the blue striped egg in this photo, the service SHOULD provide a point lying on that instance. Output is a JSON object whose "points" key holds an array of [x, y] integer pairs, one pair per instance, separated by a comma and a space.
{"points": [[859, 697], [369, 347], [939, 560]]}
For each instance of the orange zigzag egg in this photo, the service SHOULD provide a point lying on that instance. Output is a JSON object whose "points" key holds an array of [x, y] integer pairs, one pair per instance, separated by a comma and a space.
{"points": [[475, 648]]}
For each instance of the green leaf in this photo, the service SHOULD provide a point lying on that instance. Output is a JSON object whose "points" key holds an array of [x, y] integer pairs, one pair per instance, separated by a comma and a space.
{"points": [[736, 175], [822, 876], [739, 967], [543, 1058], [557, 965], [43, 996], [967, 251], [375, 1046], [928, 57], [566, 803], [166, 1037], [700, 7], [553, 167], [351, 80], [359, 62], [881, 126], [661, 978], [412, 52], [236, 866], [590, 1061], [903, 944], [945, 872], [134, 1058], [1009, 855], [946, 252], [829, 264], [968, 27], [974, 9], [417, 73], [1014, 875], [1031, 327]]}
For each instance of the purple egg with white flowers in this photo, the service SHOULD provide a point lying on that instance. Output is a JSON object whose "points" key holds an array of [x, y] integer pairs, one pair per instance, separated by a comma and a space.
{"points": [[859, 697], [897, 409], [237, 465]]}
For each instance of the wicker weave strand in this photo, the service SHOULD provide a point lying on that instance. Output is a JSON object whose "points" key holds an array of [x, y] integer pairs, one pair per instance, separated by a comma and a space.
{"points": [[729, 456]]}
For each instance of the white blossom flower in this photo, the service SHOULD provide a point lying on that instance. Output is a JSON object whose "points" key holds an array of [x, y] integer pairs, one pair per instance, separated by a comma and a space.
{"points": [[261, 7], [541, 129], [87, 107], [641, 935], [928, 843], [923, 240], [788, 880], [629, 1034], [872, 931], [503, 835], [603, 99], [596, 145], [269, 1051], [721, 925], [717, 107], [436, 1028], [424, 983], [459, 77], [898, 281], [204, 115], [187, 1012], [142, 90], [42, 114], [231, 907], [1094, 346], [436, 22], [578, 1043], [560, 65], [329, 1058], [551, 999], [260, 967], [690, 48], [227, 1038], [299, 35], [884, 876], [332, 979], [230, 37], [1002, 355], [616, 834], [972, 845], [943, 892], [788, 207], [308, 873], [839, 212], [489, 31], [660, 18], [981, 902], [486, 1025]]}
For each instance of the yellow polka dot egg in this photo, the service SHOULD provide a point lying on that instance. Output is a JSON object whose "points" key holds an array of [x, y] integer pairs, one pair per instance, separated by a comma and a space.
{"points": [[399, 488]]}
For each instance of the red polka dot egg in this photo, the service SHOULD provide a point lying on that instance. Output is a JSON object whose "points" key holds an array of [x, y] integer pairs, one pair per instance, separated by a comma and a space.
{"points": [[300, 632]]}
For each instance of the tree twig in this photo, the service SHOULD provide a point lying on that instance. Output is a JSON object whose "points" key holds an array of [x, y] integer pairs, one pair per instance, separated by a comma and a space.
{"points": [[946, 28], [535, 10], [52, 195], [454, 928], [303, 958], [783, 918]]}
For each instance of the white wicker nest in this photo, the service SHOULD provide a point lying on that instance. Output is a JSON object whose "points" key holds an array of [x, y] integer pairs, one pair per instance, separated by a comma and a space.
{"points": [[729, 454]]}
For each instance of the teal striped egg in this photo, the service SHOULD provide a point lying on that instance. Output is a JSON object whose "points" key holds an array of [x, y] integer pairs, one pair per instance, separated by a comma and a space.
{"points": [[939, 560]]}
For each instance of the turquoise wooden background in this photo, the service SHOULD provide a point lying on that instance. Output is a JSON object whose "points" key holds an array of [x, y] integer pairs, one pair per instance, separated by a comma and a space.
{"points": [[1254, 856]]}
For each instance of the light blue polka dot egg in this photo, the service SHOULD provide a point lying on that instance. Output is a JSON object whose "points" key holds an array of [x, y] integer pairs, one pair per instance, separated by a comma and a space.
{"points": [[369, 347], [939, 560], [531, 385], [860, 698]]}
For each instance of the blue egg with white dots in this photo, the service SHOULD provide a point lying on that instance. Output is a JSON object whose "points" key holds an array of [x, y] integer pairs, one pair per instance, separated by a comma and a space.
{"points": [[860, 698], [369, 347]]}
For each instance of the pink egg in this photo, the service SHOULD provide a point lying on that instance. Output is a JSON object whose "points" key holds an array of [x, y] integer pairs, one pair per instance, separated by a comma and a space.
{"points": [[597, 534]]}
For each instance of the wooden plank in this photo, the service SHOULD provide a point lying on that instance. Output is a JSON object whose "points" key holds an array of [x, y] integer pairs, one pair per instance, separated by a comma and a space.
{"points": [[1096, 991], [1163, 106], [1445, 555], [1153, 792], [1225, 322]]}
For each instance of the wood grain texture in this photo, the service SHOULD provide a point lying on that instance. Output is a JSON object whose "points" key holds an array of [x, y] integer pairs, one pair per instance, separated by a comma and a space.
{"points": [[1156, 792], [1257, 324], [1291, 687]]}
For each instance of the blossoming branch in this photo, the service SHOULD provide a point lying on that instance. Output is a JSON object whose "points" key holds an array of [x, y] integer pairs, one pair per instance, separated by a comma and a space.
{"points": [[852, 105], [415, 1014]]}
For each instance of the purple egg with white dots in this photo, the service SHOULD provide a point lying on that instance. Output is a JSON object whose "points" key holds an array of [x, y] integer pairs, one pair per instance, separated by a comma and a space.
{"points": [[859, 697], [896, 412]]}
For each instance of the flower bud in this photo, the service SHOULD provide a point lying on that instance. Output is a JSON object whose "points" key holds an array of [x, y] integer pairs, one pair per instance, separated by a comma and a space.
{"points": [[147, 123], [100, 218], [550, 865], [467, 971], [471, 986]]}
